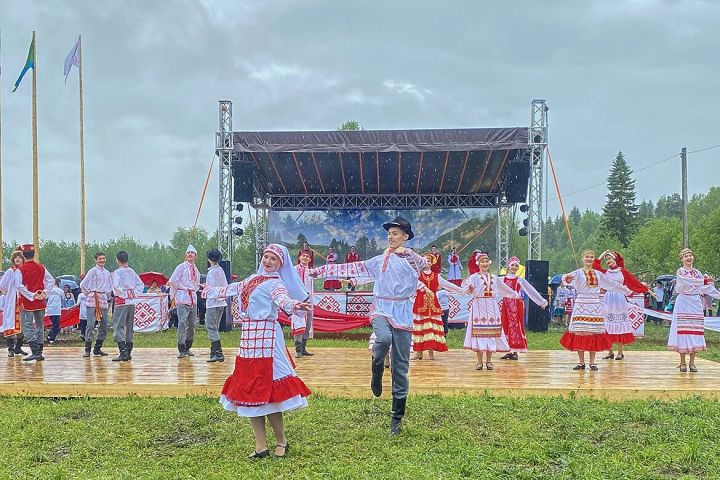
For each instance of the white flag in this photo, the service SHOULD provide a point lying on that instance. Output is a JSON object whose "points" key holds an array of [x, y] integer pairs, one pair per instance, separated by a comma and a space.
{"points": [[73, 58]]}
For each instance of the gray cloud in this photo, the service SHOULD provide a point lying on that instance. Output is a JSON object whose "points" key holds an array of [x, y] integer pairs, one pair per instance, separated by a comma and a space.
{"points": [[637, 76]]}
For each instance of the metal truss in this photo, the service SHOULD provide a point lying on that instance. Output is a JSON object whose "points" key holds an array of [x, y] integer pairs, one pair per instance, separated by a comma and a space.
{"points": [[381, 202], [262, 224], [224, 151], [537, 144], [504, 231]]}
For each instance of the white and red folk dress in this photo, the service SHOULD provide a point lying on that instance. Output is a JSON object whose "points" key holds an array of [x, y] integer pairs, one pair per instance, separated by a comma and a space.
{"points": [[264, 380], [428, 329], [332, 282], [512, 311], [617, 322], [687, 330], [587, 331], [484, 331]]}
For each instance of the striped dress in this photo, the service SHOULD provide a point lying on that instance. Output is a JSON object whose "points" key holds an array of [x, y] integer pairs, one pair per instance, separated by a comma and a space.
{"points": [[484, 331], [687, 330]]}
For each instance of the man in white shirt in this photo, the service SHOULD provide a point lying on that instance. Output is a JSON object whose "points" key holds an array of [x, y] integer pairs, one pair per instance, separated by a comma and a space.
{"points": [[184, 284], [53, 309], [126, 285], [215, 306], [96, 286]]}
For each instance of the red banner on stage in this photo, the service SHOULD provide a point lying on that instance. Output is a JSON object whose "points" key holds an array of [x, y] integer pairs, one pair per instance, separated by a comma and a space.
{"points": [[325, 321], [68, 317]]}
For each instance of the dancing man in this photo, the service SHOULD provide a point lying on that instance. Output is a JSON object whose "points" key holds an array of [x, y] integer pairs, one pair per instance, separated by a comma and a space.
{"points": [[215, 306], [395, 274], [513, 310], [184, 284], [126, 285], [97, 287], [302, 325]]}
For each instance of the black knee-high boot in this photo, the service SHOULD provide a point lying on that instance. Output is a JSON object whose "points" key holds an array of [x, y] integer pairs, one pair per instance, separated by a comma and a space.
{"points": [[398, 412], [121, 355], [18, 345], [304, 350], [11, 346], [378, 368]]}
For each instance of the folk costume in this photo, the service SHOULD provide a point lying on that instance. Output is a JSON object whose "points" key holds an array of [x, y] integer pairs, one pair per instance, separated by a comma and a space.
{"points": [[301, 325], [436, 266], [587, 331], [34, 279], [264, 380], [350, 257], [513, 310], [126, 286], [10, 309], [687, 330], [184, 284], [332, 282], [309, 252], [215, 306], [97, 287], [617, 322], [484, 331], [428, 328], [454, 269], [473, 262], [395, 277]]}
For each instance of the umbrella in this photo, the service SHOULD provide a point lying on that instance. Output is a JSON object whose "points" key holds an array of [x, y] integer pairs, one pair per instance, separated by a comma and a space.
{"points": [[149, 277], [556, 280], [71, 283]]}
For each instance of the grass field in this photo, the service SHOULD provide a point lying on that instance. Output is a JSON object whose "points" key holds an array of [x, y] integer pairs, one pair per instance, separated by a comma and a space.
{"points": [[444, 437]]}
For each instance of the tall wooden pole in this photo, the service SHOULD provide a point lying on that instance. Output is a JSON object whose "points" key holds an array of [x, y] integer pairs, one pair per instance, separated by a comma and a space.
{"points": [[2, 256], [82, 164], [36, 236], [686, 234]]}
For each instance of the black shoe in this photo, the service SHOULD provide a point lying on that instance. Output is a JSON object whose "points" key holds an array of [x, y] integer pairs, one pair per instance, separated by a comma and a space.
{"points": [[88, 347], [579, 366], [188, 345], [378, 368], [181, 349], [18, 345], [121, 355], [216, 354], [128, 351], [263, 454], [304, 350], [97, 352], [11, 347], [35, 349], [398, 412]]}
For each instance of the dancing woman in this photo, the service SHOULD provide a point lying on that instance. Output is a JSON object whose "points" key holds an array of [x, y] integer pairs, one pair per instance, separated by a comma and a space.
{"points": [[264, 383], [687, 330], [617, 322]]}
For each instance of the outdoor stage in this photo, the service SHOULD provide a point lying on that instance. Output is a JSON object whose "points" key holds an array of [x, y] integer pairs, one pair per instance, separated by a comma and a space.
{"points": [[345, 372]]}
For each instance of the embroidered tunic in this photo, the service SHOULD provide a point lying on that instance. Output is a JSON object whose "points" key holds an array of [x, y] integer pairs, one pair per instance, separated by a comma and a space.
{"points": [[513, 311], [687, 330]]}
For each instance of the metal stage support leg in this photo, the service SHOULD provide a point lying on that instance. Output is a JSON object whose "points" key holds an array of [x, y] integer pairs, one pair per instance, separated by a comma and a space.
{"points": [[537, 144], [224, 151], [261, 227], [504, 225]]}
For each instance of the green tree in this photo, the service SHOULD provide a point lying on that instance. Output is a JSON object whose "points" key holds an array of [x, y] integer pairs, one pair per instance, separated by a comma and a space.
{"points": [[669, 206], [645, 212], [620, 213], [350, 125]]}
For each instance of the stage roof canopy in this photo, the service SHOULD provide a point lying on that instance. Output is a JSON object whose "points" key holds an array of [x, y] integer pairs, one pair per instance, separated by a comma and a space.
{"points": [[421, 164]]}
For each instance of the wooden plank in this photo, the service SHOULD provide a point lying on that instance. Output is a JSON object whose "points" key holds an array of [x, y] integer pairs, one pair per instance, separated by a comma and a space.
{"points": [[345, 373]]}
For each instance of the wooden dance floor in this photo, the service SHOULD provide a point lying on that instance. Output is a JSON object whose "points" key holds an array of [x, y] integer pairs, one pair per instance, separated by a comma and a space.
{"points": [[345, 372]]}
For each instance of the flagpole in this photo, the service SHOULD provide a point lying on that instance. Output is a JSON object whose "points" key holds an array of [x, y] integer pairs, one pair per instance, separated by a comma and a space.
{"points": [[36, 237], [82, 163], [2, 254]]}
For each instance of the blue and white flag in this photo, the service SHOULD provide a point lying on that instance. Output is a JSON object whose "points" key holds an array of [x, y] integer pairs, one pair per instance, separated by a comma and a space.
{"points": [[73, 58]]}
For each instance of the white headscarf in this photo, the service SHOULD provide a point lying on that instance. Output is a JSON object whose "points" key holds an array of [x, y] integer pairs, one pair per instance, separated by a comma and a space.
{"points": [[287, 272], [190, 249]]}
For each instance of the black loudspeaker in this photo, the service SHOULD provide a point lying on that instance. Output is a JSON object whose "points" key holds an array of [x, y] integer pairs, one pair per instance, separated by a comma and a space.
{"points": [[225, 325], [536, 273], [242, 173], [517, 178]]}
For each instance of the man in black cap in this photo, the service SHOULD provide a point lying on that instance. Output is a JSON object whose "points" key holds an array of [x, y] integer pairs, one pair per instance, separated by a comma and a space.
{"points": [[215, 306], [395, 274]]}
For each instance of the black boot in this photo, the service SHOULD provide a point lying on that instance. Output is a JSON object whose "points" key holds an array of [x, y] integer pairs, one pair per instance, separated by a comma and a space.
{"points": [[378, 368], [11, 346], [304, 350], [128, 351], [18, 345], [398, 412], [35, 352], [188, 346], [298, 349], [216, 353], [96, 351], [88, 347], [40, 348], [121, 355], [181, 349]]}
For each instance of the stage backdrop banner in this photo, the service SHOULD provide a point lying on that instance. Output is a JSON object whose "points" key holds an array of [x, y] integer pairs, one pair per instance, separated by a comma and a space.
{"points": [[151, 312]]}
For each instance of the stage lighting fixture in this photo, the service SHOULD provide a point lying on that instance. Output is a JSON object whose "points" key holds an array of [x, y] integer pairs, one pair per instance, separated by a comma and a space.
{"points": [[526, 221], [238, 232], [238, 206], [537, 138], [238, 220], [524, 208], [523, 232]]}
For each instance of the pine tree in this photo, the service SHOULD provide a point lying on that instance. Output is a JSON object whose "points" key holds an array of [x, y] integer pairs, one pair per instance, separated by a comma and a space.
{"points": [[620, 213]]}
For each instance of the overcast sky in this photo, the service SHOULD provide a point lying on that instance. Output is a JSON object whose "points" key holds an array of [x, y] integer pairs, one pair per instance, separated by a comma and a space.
{"points": [[639, 76]]}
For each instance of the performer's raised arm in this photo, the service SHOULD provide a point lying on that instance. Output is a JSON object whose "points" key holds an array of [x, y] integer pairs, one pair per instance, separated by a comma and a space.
{"points": [[533, 294], [451, 287]]}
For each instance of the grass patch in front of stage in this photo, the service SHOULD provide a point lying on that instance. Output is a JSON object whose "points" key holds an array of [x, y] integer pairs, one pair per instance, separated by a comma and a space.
{"points": [[457, 437], [655, 339]]}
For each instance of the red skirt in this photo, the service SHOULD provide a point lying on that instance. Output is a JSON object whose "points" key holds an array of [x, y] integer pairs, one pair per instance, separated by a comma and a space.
{"points": [[585, 343], [332, 285], [251, 383], [624, 338]]}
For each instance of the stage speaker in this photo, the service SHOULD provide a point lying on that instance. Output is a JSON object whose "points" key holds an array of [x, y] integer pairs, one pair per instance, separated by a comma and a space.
{"points": [[242, 173], [536, 273], [516, 182], [225, 325]]}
